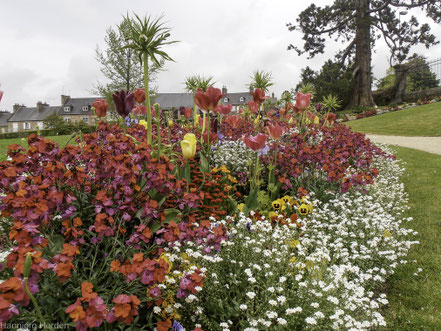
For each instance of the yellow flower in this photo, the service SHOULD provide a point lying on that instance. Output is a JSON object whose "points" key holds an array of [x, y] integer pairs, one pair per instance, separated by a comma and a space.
{"points": [[271, 214], [224, 169], [305, 209], [279, 204], [196, 118], [386, 234], [240, 206], [307, 121], [291, 120], [316, 120], [143, 123], [188, 146], [232, 179], [291, 201], [292, 260], [171, 123]]}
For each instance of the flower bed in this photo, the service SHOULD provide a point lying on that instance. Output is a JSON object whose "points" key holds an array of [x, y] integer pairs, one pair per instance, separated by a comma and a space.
{"points": [[255, 220]]}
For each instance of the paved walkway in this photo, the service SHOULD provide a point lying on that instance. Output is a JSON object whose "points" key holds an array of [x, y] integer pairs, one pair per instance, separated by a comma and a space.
{"points": [[426, 144]]}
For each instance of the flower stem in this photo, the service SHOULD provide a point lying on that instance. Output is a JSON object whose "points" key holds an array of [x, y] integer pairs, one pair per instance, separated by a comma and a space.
{"points": [[147, 99], [34, 301]]}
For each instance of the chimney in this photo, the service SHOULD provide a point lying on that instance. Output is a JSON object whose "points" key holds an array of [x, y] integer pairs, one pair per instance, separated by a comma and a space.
{"points": [[224, 90], [16, 107], [64, 99], [39, 106]]}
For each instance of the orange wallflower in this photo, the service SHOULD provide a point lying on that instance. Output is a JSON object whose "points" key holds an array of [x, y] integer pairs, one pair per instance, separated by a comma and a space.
{"points": [[70, 250], [114, 266]]}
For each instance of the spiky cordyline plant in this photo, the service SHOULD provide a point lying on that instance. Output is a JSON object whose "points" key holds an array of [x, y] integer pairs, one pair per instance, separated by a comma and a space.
{"points": [[261, 80], [146, 37]]}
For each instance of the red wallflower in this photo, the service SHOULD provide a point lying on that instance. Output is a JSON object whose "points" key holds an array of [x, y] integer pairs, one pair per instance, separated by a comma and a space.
{"points": [[208, 100], [233, 120], [255, 143], [187, 112], [213, 137], [101, 106]]}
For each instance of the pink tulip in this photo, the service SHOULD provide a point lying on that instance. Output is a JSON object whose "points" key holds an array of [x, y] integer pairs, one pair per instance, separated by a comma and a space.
{"points": [[255, 143], [254, 106], [223, 109], [275, 131], [302, 100]]}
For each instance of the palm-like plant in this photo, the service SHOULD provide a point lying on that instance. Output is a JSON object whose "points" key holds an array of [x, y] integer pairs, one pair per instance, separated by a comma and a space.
{"points": [[193, 83], [261, 80], [286, 97], [146, 37]]}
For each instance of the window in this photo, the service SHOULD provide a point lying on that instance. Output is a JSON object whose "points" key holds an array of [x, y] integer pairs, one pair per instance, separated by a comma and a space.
{"points": [[226, 99], [14, 127], [241, 99], [67, 119], [86, 119], [85, 108], [27, 126], [67, 109], [40, 125]]}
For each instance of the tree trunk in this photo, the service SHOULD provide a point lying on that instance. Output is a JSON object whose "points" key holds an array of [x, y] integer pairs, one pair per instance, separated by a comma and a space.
{"points": [[362, 80], [400, 83]]}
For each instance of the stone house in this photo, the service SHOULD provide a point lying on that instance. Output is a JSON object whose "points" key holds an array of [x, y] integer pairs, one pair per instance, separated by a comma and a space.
{"points": [[4, 116], [28, 118], [77, 109]]}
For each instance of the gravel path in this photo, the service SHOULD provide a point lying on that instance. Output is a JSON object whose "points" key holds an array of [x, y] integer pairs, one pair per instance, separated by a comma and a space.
{"points": [[426, 144]]}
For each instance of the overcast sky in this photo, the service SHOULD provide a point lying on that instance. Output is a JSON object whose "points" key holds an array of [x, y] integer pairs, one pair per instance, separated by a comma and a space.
{"points": [[48, 46]]}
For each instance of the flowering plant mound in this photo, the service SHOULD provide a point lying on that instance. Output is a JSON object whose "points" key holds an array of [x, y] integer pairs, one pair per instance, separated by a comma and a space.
{"points": [[248, 219]]}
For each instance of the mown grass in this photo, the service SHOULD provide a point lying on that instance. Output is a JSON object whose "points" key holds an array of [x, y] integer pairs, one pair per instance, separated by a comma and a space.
{"points": [[415, 300], [417, 121], [4, 143]]}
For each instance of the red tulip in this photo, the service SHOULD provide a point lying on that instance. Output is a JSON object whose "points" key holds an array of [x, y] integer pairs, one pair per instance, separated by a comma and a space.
{"points": [[139, 95], [100, 106], [153, 110], [213, 137], [223, 109], [259, 95], [187, 112], [140, 109], [124, 102], [201, 122], [233, 120], [208, 100], [254, 106], [255, 143], [275, 131], [302, 101]]}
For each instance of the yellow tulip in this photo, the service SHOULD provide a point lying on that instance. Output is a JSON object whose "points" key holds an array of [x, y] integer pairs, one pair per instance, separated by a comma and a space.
{"points": [[143, 123], [188, 146]]}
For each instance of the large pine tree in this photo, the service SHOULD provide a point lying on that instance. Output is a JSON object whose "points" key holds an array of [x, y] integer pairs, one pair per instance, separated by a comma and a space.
{"points": [[359, 24]]}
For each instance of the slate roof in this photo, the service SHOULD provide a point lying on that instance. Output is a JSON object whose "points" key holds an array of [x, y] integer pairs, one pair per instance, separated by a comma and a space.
{"points": [[76, 106], [173, 100], [4, 116], [235, 98], [25, 114]]}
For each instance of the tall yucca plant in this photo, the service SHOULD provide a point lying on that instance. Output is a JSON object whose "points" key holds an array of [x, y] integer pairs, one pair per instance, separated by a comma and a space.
{"points": [[193, 83], [146, 36]]}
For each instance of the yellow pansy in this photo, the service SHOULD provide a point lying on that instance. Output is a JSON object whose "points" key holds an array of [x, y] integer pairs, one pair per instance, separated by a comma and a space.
{"points": [[279, 204], [171, 123], [316, 120], [305, 209], [272, 214], [240, 206]]}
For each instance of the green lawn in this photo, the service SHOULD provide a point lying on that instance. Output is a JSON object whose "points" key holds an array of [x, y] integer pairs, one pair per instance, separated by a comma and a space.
{"points": [[4, 143], [415, 301], [417, 121]]}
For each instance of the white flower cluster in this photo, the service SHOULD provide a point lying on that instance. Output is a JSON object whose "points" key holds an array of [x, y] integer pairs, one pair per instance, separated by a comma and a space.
{"points": [[235, 155], [323, 275]]}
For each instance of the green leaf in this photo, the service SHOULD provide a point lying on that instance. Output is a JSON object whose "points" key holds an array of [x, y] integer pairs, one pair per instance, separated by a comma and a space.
{"points": [[251, 200], [205, 166]]}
